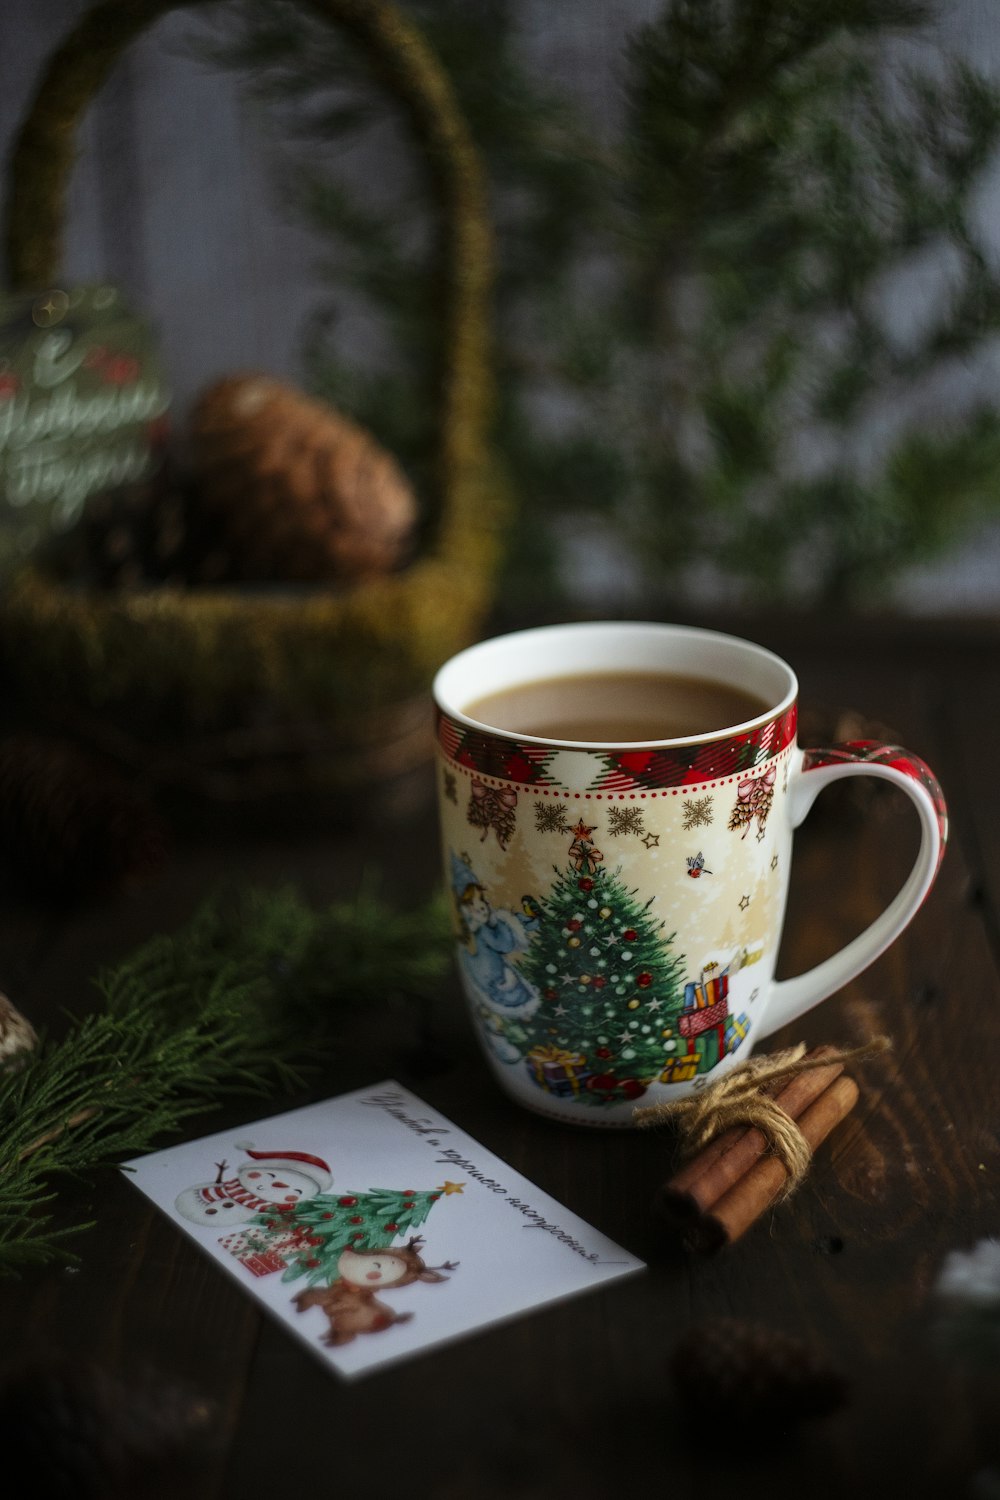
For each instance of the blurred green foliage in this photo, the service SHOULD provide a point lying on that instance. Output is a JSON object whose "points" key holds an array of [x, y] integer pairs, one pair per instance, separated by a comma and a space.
{"points": [[736, 326]]}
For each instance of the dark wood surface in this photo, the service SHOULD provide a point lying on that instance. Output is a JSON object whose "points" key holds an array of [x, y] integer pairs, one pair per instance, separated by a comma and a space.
{"points": [[579, 1399]]}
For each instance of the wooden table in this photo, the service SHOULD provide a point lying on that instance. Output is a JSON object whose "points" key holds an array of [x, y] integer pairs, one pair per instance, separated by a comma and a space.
{"points": [[578, 1400]]}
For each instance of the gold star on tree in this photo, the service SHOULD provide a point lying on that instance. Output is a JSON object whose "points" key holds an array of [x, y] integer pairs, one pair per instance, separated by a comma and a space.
{"points": [[451, 1187]]}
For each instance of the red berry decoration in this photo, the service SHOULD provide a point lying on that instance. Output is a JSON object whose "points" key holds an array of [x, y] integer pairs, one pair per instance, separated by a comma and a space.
{"points": [[328, 1215], [409, 1192], [347, 1202], [603, 1052], [356, 1219], [312, 1261], [586, 884], [644, 981], [358, 1234], [629, 935], [392, 1228], [600, 982], [573, 925], [632, 1088], [551, 994]]}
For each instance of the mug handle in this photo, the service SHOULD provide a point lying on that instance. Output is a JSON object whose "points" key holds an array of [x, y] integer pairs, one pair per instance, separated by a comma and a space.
{"points": [[790, 998]]}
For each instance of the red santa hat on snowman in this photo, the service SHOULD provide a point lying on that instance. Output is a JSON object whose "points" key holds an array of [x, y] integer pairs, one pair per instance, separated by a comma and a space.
{"points": [[313, 1167]]}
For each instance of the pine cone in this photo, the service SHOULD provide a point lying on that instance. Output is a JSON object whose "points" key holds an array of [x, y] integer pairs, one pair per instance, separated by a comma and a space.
{"points": [[69, 827], [753, 1372], [17, 1035], [300, 493]]}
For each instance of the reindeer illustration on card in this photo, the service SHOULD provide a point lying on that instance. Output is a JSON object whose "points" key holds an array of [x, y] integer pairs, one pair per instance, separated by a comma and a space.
{"points": [[350, 1304]]}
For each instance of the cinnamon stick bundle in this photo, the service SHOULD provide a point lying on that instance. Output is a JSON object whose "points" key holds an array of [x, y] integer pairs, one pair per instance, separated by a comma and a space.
{"points": [[726, 1187]]}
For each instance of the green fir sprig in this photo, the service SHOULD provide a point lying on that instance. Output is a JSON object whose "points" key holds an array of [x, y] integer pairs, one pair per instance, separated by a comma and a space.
{"points": [[236, 1003]]}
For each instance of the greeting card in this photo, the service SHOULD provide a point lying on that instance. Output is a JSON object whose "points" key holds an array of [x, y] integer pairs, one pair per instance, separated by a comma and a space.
{"points": [[374, 1228]]}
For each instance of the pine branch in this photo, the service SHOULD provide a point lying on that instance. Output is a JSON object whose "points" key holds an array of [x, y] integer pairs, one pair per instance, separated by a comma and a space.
{"points": [[236, 1003]]}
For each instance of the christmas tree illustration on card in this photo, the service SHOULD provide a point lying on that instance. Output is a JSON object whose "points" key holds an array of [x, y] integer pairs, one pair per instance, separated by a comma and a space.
{"points": [[346, 1248], [308, 1239]]}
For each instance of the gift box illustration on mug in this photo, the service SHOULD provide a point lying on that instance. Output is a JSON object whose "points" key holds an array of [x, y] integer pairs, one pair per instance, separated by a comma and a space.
{"points": [[706, 1023], [736, 1033], [704, 993], [556, 1070], [679, 1069]]}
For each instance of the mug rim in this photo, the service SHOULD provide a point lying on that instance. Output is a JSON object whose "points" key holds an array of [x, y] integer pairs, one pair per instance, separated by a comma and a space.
{"points": [[513, 639]]}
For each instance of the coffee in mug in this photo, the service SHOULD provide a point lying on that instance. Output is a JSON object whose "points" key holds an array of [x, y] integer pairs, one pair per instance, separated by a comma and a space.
{"points": [[616, 707]]}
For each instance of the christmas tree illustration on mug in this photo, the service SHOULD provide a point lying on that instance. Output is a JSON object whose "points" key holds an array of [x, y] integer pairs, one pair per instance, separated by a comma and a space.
{"points": [[345, 1246], [600, 1006], [611, 986]]}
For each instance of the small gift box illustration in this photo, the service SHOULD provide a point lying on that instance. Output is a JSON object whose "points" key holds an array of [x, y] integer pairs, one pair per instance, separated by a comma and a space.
{"points": [[710, 983], [258, 1252], [679, 1069], [706, 992], [556, 1070], [693, 1023], [266, 1247], [736, 1032]]}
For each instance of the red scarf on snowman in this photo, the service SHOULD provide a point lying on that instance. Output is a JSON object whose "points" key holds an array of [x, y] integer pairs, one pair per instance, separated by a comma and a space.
{"points": [[226, 1194]]}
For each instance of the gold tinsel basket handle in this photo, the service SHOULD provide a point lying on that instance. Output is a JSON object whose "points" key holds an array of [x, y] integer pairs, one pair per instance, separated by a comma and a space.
{"points": [[43, 157]]}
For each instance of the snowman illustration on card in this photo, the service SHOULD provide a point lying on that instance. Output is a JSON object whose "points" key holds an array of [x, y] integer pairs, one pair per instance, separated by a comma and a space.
{"points": [[268, 1182]]}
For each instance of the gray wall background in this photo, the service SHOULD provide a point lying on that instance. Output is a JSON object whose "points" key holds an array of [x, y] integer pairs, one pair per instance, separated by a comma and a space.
{"points": [[173, 199]]}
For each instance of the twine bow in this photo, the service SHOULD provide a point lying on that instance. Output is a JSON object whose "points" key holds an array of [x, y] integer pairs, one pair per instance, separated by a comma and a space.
{"points": [[744, 1098]]}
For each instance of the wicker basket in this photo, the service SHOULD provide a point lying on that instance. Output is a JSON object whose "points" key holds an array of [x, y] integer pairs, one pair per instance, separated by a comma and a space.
{"points": [[236, 690]]}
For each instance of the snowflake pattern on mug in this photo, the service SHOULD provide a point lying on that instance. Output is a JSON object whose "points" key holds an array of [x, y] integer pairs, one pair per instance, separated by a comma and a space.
{"points": [[625, 820], [697, 813], [550, 817]]}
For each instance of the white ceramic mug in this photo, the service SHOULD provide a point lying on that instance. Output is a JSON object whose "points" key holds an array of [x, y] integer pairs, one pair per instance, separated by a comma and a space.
{"points": [[618, 907]]}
